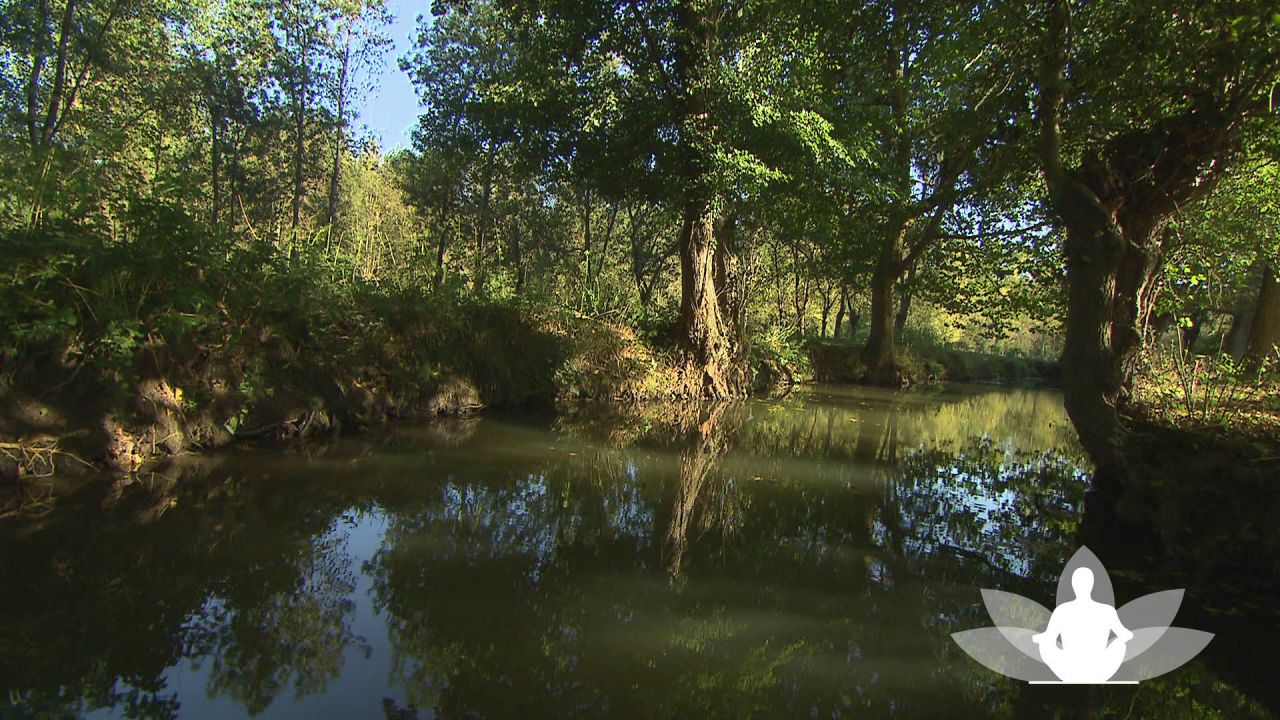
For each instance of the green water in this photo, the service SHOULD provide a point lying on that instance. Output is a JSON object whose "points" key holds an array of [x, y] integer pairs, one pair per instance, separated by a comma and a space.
{"points": [[805, 558]]}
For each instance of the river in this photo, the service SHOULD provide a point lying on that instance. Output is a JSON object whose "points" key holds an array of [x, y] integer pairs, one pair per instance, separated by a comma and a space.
{"points": [[807, 558]]}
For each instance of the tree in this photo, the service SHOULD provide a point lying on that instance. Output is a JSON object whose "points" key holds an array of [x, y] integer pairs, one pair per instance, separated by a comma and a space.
{"points": [[72, 57], [302, 34], [935, 88], [1140, 108], [358, 46], [669, 98]]}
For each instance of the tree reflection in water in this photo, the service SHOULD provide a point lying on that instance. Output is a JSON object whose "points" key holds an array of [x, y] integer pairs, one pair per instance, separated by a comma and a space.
{"points": [[806, 557]]}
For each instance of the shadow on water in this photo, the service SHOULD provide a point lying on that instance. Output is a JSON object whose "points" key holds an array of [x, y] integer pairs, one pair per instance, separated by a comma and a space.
{"points": [[808, 557]]}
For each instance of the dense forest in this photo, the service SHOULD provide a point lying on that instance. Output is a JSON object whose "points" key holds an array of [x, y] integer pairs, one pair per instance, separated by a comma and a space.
{"points": [[628, 200], [811, 337]]}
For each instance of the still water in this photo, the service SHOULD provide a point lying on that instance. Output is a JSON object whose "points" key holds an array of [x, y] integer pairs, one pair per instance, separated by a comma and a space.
{"points": [[804, 558]]}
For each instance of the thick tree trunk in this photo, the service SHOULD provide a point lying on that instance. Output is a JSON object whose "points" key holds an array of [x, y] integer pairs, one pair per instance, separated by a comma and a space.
{"points": [[1264, 335], [710, 344], [879, 355], [1115, 204], [1237, 339], [1110, 275]]}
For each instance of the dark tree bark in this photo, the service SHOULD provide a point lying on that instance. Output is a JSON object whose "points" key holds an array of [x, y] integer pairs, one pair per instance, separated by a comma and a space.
{"points": [[880, 356], [1264, 335], [53, 107], [842, 303], [1115, 206]]}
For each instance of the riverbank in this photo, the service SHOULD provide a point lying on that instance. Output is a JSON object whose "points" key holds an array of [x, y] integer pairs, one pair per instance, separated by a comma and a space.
{"points": [[119, 354], [834, 360]]}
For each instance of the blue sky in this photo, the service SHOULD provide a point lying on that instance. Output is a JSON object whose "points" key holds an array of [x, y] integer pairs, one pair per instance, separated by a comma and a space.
{"points": [[390, 111]]}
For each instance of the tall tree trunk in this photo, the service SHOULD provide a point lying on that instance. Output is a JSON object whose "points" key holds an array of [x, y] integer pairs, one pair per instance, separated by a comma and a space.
{"points": [[340, 134], [778, 293], [842, 302], [611, 220], [215, 168], [1264, 336], [38, 59], [51, 118], [904, 310], [639, 259], [711, 344], [299, 147], [1109, 274]]}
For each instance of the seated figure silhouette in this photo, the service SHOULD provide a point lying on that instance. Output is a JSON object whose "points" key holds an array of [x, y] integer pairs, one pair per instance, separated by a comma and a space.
{"points": [[1087, 655]]}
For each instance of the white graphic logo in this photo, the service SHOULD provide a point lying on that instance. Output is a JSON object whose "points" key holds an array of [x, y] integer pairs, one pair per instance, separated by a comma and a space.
{"points": [[1085, 640]]}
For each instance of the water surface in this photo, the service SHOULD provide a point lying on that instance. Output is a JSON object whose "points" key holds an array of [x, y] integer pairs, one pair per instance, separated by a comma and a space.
{"points": [[802, 558]]}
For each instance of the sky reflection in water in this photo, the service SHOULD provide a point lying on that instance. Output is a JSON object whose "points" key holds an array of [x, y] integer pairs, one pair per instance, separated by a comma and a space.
{"points": [[801, 558]]}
